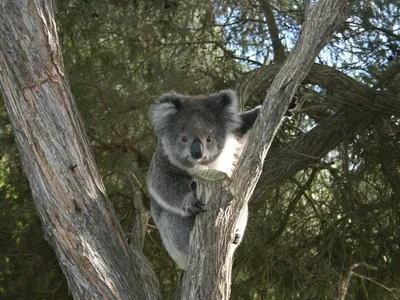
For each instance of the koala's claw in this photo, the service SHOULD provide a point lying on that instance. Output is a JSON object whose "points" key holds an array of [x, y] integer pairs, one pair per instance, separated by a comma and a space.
{"points": [[197, 208], [194, 206]]}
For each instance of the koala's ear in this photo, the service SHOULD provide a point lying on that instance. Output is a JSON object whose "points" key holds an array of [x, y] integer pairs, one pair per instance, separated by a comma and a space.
{"points": [[162, 113], [228, 100], [227, 105], [172, 97]]}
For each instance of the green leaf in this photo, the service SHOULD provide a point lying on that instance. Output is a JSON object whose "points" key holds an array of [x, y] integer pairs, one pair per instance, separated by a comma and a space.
{"points": [[213, 175]]}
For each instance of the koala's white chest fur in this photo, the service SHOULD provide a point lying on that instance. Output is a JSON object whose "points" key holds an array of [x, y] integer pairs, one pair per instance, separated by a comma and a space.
{"points": [[191, 131], [225, 161]]}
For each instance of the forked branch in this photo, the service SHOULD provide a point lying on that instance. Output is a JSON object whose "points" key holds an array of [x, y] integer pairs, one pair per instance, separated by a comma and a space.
{"points": [[211, 254]]}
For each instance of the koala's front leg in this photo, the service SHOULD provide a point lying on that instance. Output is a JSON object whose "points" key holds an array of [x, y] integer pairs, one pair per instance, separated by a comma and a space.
{"points": [[194, 205], [175, 194]]}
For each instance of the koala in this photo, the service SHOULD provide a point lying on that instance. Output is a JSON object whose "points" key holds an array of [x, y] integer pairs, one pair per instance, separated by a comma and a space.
{"points": [[194, 133]]}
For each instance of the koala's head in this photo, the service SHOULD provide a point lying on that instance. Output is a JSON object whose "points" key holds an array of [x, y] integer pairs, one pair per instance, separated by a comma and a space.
{"points": [[193, 129]]}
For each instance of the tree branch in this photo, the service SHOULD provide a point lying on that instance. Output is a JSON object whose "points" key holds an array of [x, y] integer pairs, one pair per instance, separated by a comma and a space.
{"points": [[77, 217], [360, 100], [291, 207], [345, 282], [279, 50], [281, 164], [211, 250], [353, 93], [324, 18]]}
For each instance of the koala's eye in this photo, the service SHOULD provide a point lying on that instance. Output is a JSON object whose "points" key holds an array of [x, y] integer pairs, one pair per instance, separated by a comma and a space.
{"points": [[184, 139], [209, 139]]}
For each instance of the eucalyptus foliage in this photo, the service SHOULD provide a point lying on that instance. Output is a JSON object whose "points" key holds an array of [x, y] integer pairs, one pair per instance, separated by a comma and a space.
{"points": [[335, 218]]}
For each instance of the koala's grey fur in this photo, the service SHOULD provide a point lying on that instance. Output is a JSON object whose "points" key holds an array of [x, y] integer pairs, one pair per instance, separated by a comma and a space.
{"points": [[194, 133]]}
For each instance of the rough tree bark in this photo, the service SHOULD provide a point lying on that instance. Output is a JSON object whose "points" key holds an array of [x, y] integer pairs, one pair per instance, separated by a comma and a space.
{"points": [[67, 189], [69, 195], [210, 253]]}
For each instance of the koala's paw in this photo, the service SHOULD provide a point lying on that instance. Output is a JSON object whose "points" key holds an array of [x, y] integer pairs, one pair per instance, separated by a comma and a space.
{"points": [[194, 206]]}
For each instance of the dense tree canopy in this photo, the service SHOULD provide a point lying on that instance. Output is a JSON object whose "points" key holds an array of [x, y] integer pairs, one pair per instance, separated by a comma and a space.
{"points": [[325, 217]]}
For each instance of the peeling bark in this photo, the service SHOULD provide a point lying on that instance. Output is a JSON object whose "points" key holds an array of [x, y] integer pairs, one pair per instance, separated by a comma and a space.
{"points": [[77, 217]]}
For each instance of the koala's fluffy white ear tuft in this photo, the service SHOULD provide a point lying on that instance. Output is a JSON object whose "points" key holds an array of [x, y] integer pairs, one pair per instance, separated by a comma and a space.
{"points": [[161, 114]]}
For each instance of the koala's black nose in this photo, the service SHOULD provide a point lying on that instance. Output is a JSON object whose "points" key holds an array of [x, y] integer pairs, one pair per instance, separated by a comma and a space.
{"points": [[196, 149]]}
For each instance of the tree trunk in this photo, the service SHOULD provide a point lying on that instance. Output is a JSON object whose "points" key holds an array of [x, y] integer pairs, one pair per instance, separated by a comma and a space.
{"points": [[68, 192], [210, 253], [78, 220]]}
